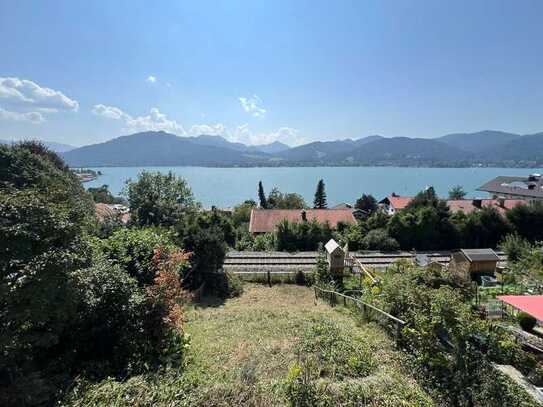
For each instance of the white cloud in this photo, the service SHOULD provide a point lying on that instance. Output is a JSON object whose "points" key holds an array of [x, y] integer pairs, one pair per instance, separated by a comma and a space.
{"points": [[252, 105], [27, 94], [31, 117], [154, 121], [285, 135], [159, 121], [151, 79], [111, 112]]}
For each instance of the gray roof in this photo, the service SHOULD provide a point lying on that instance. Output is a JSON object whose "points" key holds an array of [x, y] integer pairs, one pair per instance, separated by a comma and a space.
{"points": [[515, 186], [480, 254]]}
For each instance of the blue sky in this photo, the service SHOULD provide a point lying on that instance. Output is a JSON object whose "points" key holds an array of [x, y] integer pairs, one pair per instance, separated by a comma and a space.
{"points": [[257, 71]]}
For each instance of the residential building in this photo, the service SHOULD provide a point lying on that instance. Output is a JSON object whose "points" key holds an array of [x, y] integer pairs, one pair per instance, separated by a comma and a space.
{"points": [[530, 187], [266, 220], [394, 203]]}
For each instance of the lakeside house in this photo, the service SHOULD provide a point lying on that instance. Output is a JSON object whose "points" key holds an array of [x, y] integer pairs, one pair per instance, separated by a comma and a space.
{"points": [[266, 220], [394, 203], [530, 187]]}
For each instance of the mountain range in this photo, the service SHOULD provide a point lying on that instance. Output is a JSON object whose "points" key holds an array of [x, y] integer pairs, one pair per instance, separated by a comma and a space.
{"points": [[485, 148]]}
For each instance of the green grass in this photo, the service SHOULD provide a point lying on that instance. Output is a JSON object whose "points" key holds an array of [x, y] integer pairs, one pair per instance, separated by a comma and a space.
{"points": [[242, 352]]}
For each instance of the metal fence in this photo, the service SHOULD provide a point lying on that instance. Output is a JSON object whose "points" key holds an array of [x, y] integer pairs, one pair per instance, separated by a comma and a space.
{"points": [[367, 311]]}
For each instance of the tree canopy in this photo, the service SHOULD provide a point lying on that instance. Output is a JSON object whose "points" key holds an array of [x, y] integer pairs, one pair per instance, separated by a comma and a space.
{"points": [[320, 196], [159, 200]]}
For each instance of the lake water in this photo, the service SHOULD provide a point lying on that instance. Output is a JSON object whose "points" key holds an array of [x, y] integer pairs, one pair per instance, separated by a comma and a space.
{"points": [[225, 187]]}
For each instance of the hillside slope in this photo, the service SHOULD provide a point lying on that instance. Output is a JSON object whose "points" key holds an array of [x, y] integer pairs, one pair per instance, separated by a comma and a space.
{"points": [[154, 148]]}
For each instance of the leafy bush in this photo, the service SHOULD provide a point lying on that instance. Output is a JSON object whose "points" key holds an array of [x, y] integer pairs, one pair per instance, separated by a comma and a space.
{"points": [[378, 239], [515, 247], [225, 285], [264, 242], [301, 236], [526, 321], [133, 251], [299, 278], [159, 200]]}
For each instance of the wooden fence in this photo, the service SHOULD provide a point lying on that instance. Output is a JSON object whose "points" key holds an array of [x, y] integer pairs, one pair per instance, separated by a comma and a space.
{"points": [[369, 312]]}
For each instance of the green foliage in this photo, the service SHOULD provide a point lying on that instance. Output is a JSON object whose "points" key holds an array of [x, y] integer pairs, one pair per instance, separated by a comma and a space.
{"points": [[424, 227], [483, 228], [299, 278], [242, 213], [526, 321], [278, 200], [133, 251], [515, 247], [378, 239], [203, 235], [527, 220], [262, 196], [303, 236], [339, 354], [320, 196], [44, 213], [159, 200], [102, 195], [119, 328], [457, 192], [366, 203], [264, 242], [63, 312], [323, 276], [326, 352]]}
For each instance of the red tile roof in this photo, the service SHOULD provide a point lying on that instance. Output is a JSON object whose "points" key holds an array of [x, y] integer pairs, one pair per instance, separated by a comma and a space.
{"points": [[460, 205], [266, 220], [532, 304], [399, 202]]}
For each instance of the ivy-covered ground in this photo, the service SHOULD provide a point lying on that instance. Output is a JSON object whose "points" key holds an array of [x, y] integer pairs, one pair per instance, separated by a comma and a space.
{"points": [[268, 347]]}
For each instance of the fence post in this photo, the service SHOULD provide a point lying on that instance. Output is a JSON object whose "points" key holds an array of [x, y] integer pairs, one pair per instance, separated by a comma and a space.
{"points": [[398, 332], [269, 279]]}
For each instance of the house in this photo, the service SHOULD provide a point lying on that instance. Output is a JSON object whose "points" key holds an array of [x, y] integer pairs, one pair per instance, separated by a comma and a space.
{"points": [[530, 187], [393, 203], [470, 205], [266, 220], [342, 205], [474, 263]]}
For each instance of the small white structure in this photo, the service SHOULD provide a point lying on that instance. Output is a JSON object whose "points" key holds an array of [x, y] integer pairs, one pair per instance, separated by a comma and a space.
{"points": [[335, 256]]}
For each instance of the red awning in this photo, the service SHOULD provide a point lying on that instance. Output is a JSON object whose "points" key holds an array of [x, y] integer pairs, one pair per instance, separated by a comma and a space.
{"points": [[532, 304]]}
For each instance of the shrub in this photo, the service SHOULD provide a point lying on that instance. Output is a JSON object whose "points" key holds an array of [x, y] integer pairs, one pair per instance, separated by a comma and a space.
{"points": [[515, 247], [299, 278], [133, 251], [526, 321], [159, 200], [378, 239], [225, 285]]}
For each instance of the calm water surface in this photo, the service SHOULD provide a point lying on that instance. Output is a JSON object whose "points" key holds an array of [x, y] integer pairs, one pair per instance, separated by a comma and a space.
{"points": [[225, 187]]}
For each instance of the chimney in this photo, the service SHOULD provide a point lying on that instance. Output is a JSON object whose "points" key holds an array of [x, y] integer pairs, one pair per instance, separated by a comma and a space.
{"points": [[304, 215]]}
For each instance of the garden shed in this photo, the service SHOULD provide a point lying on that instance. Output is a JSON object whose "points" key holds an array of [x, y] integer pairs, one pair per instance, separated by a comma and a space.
{"points": [[474, 263]]}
